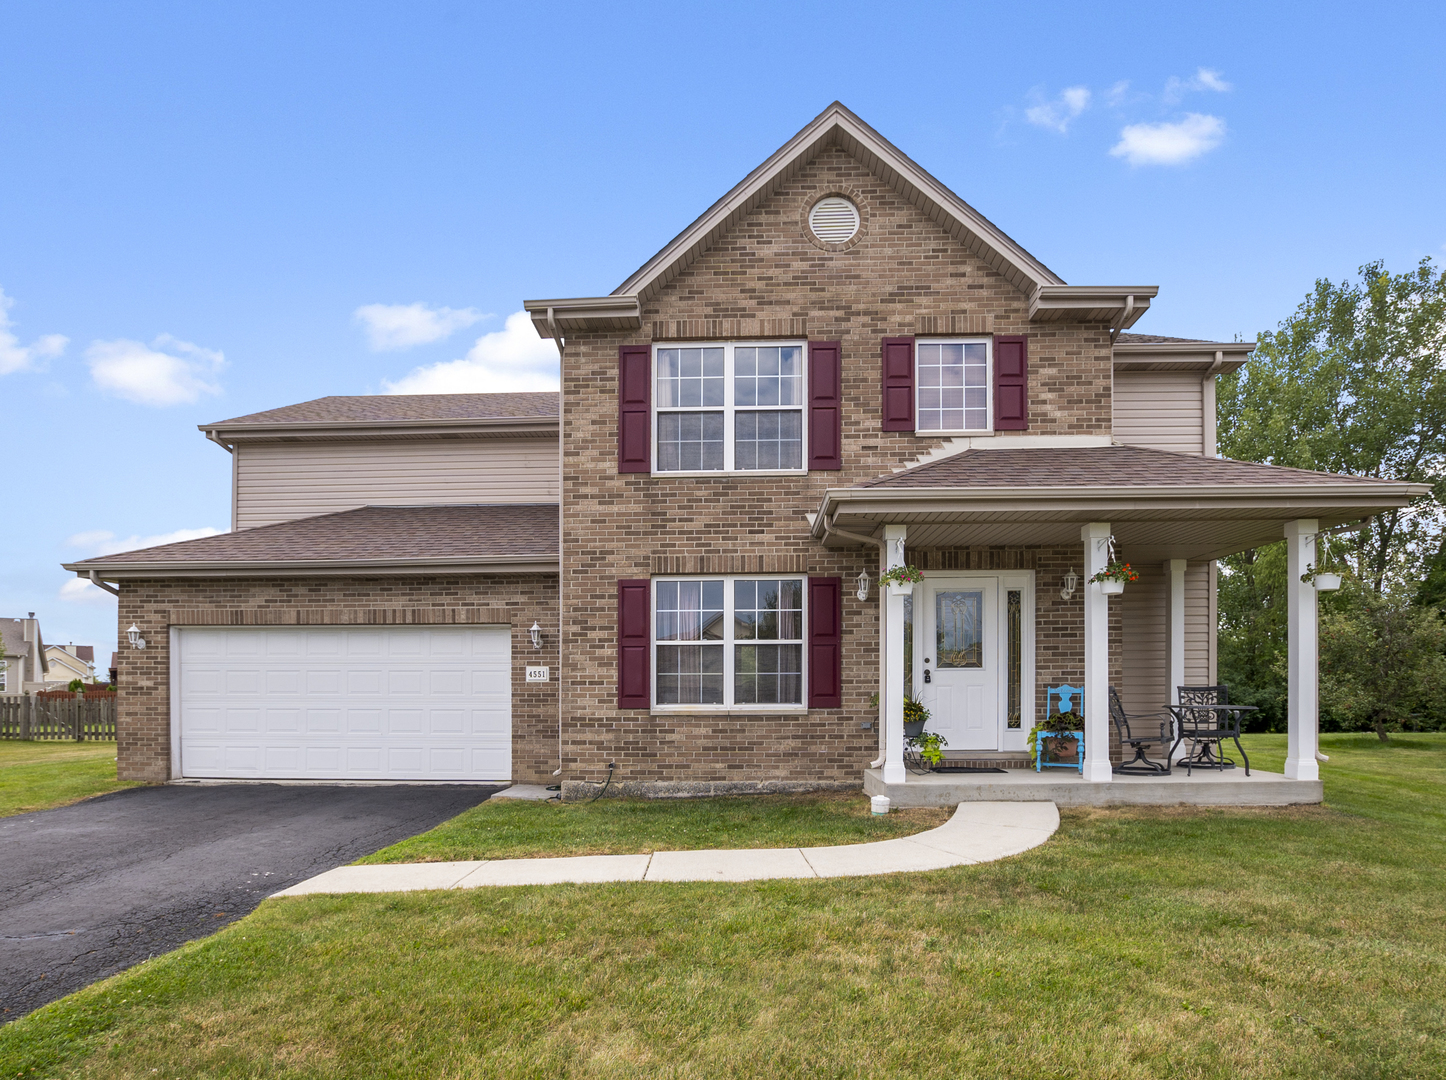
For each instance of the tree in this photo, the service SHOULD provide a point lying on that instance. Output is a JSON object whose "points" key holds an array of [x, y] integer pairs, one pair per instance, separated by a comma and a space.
{"points": [[1383, 662], [1353, 382]]}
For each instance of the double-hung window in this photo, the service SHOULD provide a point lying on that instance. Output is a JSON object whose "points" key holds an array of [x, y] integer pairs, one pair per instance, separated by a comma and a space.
{"points": [[729, 408], [730, 641], [953, 385]]}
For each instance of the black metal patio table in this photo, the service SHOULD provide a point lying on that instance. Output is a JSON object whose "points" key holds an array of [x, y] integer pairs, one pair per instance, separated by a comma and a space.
{"points": [[1206, 726]]}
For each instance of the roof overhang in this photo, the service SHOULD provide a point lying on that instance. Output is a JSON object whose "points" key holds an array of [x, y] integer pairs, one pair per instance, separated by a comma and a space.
{"points": [[1207, 357], [512, 427], [1118, 305], [1149, 523], [558, 318], [223, 568]]}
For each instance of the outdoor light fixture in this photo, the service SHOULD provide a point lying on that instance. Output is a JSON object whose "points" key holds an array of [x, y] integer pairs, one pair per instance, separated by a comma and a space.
{"points": [[1071, 581], [536, 636], [863, 584], [133, 635]]}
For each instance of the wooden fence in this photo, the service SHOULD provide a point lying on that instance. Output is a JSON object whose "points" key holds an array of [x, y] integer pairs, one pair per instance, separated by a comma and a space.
{"points": [[79, 719]]}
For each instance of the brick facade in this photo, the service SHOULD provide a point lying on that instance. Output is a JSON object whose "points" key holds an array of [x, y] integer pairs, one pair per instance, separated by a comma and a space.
{"points": [[143, 726], [901, 275]]}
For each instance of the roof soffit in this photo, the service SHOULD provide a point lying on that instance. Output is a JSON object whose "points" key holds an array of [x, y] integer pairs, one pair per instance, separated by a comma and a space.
{"points": [[837, 126]]}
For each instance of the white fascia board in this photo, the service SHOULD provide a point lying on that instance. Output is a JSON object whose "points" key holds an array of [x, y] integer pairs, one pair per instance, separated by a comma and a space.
{"points": [[1184, 348], [1056, 303], [836, 124], [584, 313], [499, 564], [356, 429]]}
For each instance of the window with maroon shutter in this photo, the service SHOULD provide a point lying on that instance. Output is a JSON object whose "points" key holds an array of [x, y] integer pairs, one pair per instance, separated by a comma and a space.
{"points": [[1011, 382], [635, 426], [825, 406], [898, 384], [825, 643], [634, 639]]}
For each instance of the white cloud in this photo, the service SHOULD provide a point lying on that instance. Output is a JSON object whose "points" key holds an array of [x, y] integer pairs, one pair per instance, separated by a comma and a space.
{"points": [[513, 358], [103, 542], [80, 591], [1203, 79], [1116, 94], [1170, 144], [147, 375], [401, 326], [1057, 114], [16, 357]]}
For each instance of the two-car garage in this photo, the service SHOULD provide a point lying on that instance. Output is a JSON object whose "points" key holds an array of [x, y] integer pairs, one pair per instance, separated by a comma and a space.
{"points": [[341, 702]]}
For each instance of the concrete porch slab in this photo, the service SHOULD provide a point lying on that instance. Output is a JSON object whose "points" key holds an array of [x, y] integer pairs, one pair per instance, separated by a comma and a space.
{"points": [[1067, 788]]}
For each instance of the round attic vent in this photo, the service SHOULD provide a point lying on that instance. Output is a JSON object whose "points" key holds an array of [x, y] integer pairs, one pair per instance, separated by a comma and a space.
{"points": [[834, 220]]}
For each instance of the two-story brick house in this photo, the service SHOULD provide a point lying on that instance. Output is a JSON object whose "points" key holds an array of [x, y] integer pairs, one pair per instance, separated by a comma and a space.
{"points": [[840, 367]]}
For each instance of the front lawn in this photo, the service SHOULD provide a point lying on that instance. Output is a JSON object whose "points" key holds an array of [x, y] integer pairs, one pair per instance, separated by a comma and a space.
{"points": [[38, 775], [514, 829], [1138, 943]]}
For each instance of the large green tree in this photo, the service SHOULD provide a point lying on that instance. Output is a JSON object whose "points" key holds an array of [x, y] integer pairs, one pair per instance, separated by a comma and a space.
{"points": [[1353, 382]]}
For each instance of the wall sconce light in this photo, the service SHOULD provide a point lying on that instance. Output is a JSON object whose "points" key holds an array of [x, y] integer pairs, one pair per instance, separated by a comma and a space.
{"points": [[863, 584], [1071, 582], [536, 636], [133, 635]]}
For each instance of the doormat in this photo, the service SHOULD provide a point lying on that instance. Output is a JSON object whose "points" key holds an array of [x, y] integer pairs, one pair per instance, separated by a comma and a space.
{"points": [[963, 768]]}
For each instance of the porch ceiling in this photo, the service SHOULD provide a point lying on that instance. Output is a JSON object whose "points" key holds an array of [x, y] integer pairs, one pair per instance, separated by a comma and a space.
{"points": [[1148, 524]]}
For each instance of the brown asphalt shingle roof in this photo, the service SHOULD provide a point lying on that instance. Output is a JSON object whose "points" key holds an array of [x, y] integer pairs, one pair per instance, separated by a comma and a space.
{"points": [[1098, 466], [1156, 339], [371, 533], [381, 408]]}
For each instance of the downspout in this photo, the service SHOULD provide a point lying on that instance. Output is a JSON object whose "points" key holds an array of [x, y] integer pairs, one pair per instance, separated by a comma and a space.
{"points": [[557, 337], [1124, 317], [95, 580], [1207, 406], [829, 529]]}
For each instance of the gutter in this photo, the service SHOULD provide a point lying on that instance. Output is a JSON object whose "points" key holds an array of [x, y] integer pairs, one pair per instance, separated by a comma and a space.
{"points": [[544, 563]]}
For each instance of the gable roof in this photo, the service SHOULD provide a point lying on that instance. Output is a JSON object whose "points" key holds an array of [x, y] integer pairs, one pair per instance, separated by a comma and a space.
{"points": [[1051, 299]]}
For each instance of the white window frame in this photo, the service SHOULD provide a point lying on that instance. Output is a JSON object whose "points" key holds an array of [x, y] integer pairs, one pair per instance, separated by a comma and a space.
{"points": [[727, 645], [4, 675], [978, 339], [730, 411]]}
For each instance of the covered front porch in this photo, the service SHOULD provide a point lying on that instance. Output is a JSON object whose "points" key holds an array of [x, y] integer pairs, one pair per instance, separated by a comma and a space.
{"points": [[1007, 609]]}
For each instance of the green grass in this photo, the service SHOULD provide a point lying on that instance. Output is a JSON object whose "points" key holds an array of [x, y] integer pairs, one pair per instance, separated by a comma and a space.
{"points": [[38, 775], [1139, 943], [513, 829]]}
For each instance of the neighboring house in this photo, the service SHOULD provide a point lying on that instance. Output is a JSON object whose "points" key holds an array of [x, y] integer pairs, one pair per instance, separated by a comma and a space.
{"points": [[70, 662], [839, 368], [114, 663], [23, 667]]}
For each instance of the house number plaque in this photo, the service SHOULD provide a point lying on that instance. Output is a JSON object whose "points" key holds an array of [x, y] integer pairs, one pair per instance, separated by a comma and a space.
{"points": [[538, 674]]}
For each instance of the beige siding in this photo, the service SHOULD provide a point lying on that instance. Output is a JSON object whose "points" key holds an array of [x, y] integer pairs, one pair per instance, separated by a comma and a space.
{"points": [[283, 481], [1161, 410], [1199, 625], [1145, 665]]}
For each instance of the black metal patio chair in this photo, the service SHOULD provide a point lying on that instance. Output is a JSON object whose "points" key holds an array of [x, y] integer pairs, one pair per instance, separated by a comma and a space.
{"points": [[1143, 732], [1206, 719]]}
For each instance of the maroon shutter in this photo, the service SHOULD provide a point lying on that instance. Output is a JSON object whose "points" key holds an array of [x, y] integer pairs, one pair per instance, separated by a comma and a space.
{"points": [[898, 384], [634, 669], [825, 406], [825, 643], [635, 430], [1011, 382]]}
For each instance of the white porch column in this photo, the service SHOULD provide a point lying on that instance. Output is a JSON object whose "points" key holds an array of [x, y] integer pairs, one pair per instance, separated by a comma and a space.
{"points": [[1175, 634], [1302, 659], [894, 660], [1096, 656]]}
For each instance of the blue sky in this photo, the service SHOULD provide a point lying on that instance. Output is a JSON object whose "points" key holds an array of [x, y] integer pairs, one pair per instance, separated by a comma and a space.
{"points": [[207, 210]]}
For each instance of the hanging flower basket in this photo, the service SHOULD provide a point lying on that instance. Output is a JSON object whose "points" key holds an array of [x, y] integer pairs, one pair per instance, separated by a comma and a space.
{"points": [[902, 579], [1112, 578], [1323, 580]]}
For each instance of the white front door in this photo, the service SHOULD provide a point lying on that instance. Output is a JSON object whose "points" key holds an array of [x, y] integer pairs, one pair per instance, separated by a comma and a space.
{"points": [[961, 669]]}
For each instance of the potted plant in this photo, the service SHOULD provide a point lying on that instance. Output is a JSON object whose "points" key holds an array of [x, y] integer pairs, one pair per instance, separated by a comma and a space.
{"points": [[902, 579], [1323, 580], [1060, 745], [930, 746], [915, 717], [1112, 578]]}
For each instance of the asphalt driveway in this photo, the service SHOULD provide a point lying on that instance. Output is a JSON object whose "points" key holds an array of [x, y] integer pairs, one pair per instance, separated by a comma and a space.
{"points": [[90, 889]]}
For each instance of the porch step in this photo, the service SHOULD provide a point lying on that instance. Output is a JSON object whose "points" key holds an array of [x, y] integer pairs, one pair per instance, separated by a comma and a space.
{"points": [[989, 759]]}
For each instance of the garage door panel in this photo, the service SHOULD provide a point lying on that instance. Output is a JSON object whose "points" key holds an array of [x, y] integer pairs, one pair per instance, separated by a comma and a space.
{"points": [[373, 703]]}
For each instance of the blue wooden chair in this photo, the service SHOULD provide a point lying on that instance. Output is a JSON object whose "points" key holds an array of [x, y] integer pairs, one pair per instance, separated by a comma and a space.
{"points": [[1060, 699]]}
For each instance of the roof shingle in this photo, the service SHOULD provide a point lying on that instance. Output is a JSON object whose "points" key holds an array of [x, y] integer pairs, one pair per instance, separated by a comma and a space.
{"points": [[392, 408], [369, 534]]}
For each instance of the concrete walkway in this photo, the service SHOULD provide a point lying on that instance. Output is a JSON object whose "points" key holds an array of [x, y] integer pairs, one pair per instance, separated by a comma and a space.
{"points": [[978, 832]]}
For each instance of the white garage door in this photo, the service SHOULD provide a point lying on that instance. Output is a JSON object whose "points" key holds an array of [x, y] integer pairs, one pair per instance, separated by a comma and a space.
{"points": [[354, 703]]}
